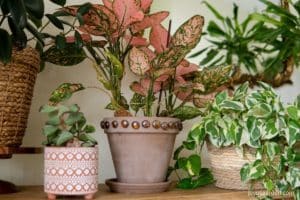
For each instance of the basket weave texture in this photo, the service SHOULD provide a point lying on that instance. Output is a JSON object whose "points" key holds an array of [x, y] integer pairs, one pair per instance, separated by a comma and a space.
{"points": [[17, 80], [226, 165]]}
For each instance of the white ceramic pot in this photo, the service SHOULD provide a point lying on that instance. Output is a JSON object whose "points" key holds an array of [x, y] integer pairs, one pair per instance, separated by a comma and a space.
{"points": [[71, 171]]}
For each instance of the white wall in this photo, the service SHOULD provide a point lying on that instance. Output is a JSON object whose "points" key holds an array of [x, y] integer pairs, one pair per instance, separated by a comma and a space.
{"points": [[28, 169]]}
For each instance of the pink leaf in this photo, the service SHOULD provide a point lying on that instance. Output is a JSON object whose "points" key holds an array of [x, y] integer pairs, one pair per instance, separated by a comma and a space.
{"points": [[136, 41], [151, 55], [127, 12], [84, 37], [158, 38], [150, 21], [183, 91], [138, 88], [146, 85], [138, 61], [108, 4], [145, 5], [183, 70]]}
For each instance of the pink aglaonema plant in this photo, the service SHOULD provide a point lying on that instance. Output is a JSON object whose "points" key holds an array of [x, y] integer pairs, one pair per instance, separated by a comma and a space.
{"points": [[111, 35]]}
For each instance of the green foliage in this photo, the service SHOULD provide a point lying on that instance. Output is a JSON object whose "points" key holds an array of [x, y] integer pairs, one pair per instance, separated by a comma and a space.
{"points": [[259, 120], [66, 124], [22, 16]]}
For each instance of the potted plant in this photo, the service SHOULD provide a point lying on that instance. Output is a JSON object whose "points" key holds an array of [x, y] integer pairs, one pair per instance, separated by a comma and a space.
{"points": [[240, 129], [166, 78], [71, 154], [19, 65]]}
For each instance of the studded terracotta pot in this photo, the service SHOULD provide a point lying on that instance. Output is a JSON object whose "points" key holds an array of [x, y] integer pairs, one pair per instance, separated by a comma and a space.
{"points": [[141, 147], [71, 171]]}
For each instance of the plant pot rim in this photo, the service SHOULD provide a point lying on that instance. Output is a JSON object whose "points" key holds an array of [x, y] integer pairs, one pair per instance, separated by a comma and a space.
{"points": [[141, 125], [55, 147]]}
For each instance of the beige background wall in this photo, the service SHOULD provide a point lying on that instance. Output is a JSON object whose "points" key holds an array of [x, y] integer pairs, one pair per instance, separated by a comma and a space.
{"points": [[28, 169]]}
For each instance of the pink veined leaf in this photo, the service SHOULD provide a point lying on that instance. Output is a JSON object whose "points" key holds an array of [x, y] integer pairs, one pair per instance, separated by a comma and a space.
{"points": [[159, 38], [138, 61], [145, 5], [145, 82], [182, 69], [108, 4], [84, 37], [127, 12], [136, 41], [150, 21], [183, 91], [151, 55], [91, 30], [138, 88], [189, 33]]}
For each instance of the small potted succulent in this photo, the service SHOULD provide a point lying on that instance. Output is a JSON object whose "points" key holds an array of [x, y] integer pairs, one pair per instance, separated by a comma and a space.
{"points": [[249, 136], [71, 155], [111, 36]]}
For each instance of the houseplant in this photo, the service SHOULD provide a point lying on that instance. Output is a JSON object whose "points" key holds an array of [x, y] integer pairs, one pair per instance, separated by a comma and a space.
{"points": [[245, 122], [71, 155], [19, 65], [262, 46], [166, 78]]}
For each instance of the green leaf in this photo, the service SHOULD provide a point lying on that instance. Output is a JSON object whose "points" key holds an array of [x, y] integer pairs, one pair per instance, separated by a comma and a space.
{"points": [[5, 47], [59, 2], [78, 40], [83, 9], [49, 130], [186, 112], [232, 105], [177, 152], [35, 8], [205, 177], [18, 36], [266, 19], [55, 21], [221, 97], [117, 65], [272, 149], [18, 12], [215, 30], [73, 118], [68, 56], [87, 138], [89, 129], [190, 145], [35, 33], [261, 110], [137, 102], [47, 109], [211, 54], [60, 42], [293, 112], [269, 185], [241, 92], [214, 11], [193, 165], [64, 137], [244, 172], [257, 170]]}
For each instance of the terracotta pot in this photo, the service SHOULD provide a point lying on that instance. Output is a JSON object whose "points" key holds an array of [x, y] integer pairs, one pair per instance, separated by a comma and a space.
{"points": [[71, 171], [141, 147]]}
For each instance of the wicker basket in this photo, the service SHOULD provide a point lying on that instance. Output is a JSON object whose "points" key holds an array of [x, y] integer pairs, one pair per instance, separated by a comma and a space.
{"points": [[17, 81], [226, 165]]}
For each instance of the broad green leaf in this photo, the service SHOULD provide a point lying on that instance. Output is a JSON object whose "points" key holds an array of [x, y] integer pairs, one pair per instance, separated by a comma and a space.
{"points": [[64, 137], [55, 21], [261, 110], [186, 112], [221, 97], [89, 129], [5, 47], [60, 42], [137, 102], [244, 172], [232, 105], [293, 112], [83, 9], [78, 40], [73, 118], [189, 145], [49, 130], [269, 185], [118, 67], [257, 170], [87, 138], [35, 33], [193, 164], [48, 109], [272, 149], [203, 179], [177, 152], [197, 133], [293, 177], [35, 8], [68, 56], [18, 12], [293, 132]]}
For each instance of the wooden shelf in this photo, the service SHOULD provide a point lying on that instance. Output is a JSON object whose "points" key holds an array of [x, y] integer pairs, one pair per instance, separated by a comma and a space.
{"points": [[205, 193]]}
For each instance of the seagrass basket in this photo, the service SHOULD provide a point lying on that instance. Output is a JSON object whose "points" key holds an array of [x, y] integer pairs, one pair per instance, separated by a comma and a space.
{"points": [[17, 80]]}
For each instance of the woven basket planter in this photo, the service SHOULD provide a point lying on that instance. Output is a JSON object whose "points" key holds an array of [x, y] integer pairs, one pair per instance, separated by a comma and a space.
{"points": [[226, 165], [17, 81]]}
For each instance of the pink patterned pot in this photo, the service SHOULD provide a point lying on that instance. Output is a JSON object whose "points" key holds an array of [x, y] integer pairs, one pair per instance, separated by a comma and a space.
{"points": [[71, 171]]}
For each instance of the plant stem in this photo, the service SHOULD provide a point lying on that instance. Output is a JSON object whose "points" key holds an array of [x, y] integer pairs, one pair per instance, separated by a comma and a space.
{"points": [[159, 100], [2, 19], [149, 99]]}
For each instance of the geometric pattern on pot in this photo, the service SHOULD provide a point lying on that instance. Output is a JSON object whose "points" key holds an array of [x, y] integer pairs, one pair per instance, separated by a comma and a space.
{"points": [[71, 170]]}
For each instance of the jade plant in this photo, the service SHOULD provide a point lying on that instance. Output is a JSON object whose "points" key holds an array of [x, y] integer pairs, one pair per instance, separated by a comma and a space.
{"points": [[112, 37], [66, 125], [257, 120]]}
